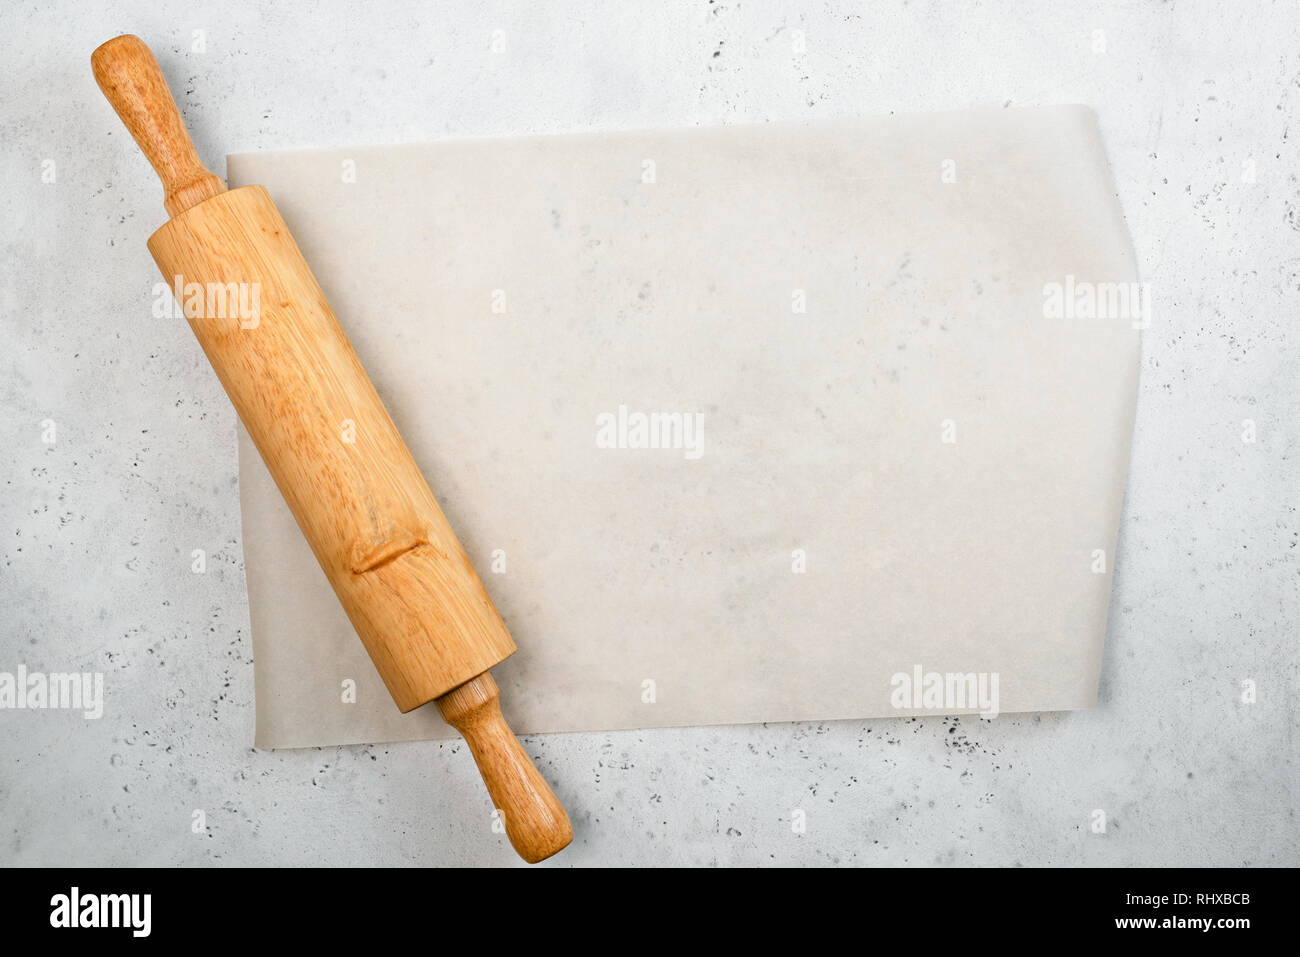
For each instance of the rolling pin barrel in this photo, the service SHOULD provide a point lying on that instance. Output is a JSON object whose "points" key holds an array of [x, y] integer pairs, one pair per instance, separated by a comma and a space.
{"points": [[351, 483]]}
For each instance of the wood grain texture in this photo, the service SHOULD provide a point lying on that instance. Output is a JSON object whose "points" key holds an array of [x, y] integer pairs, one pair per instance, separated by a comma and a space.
{"points": [[127, 72], [329, 443], [534, 820], [331, 447]]}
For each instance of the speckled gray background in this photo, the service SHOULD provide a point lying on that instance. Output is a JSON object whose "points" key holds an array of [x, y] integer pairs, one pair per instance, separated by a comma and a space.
{"points": [[96, 530]]}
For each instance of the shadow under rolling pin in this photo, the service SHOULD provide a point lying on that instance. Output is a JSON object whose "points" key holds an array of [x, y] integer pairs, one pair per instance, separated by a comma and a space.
{"points": [[372, 522]]}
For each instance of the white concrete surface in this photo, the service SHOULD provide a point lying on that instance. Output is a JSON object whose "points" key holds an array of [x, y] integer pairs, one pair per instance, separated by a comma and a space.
{"points": [[1198, 106]]}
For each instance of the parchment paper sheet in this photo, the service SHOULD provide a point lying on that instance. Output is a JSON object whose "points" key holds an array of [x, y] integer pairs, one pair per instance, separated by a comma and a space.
{"points": [[663, 272]]}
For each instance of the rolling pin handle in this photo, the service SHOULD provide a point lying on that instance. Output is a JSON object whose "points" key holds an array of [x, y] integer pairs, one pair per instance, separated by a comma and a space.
{"points": [[534, 819], [127, 72]]}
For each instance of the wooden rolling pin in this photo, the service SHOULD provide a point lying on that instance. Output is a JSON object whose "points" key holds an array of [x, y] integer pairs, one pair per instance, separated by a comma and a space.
{"points": [[337, 458]]}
